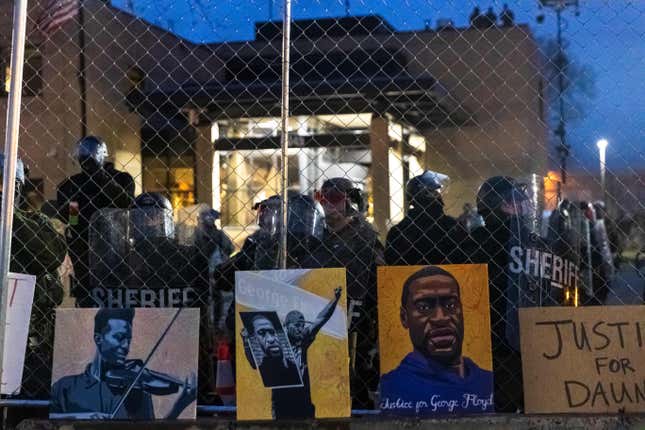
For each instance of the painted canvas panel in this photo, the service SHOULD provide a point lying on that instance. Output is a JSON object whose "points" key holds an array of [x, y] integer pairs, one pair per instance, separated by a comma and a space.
{"points": [[435, 341], [125, 364], [291, 345]]}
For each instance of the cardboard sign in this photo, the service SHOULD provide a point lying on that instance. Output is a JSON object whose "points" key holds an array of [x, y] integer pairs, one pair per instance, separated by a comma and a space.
{"points": [[583, 359], [446, 311], [20, 298], [96, 352], [291, 344]]}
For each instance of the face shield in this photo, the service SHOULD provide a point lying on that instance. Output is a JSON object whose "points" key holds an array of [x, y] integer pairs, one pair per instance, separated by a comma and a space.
{"points": [[305, 225], [305, 218], [268, 215], [152, 223], [152, 218]]}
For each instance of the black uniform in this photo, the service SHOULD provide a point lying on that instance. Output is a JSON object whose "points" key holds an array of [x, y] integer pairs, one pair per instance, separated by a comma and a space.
{"points": [[91, 192], [518, 277], [426, 235], [426, 238], [491, 248], [37, 249]]}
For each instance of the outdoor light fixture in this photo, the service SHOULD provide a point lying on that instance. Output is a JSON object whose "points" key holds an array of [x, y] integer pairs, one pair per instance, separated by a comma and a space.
{"points": [[602, 148]]}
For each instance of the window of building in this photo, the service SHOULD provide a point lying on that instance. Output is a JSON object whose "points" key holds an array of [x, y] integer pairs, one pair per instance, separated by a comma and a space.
{"points": [[172, 176], [248, 177], [169, 164]]}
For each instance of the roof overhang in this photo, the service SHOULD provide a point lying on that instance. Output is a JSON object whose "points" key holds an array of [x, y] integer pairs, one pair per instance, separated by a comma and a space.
{"points": [[417, 101]]}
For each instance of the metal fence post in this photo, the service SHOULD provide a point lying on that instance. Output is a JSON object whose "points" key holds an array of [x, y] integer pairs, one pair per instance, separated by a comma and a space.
{"points": [[286, 41], [11, 154]]}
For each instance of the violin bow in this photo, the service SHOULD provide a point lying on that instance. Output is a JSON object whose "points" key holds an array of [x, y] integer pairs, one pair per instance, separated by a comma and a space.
{"points": [[145, 363]]}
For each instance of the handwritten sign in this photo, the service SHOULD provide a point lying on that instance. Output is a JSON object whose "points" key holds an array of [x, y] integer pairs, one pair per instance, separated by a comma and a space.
{"points": [[583, 359], [19, 300]]}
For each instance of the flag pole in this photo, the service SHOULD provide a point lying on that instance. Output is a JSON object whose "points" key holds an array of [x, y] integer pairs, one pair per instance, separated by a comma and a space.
{"points": [[81, 67]]}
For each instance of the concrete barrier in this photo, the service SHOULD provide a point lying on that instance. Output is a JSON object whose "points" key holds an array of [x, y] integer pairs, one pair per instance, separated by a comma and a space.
{"points": [[505, 422]]}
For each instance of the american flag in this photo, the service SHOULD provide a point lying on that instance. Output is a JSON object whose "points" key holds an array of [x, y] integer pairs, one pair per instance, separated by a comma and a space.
{"points": [[56, 13]]}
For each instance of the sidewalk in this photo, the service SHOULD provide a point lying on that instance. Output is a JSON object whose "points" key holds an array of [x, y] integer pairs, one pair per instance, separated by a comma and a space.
{"points": [[506, 422]]}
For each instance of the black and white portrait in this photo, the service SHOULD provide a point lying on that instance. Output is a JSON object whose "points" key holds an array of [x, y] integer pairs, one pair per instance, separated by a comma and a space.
{"points": [[127, 364]]}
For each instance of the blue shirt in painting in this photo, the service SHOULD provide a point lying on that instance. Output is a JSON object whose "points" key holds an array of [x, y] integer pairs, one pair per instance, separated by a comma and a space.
{"points": [[420, 386]]}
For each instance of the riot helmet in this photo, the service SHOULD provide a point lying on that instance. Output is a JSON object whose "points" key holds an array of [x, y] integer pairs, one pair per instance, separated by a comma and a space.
{"points": [[339, 197], [305, 216], [601, 209], [501, 197], [20, 178], [589, 211], [561, 219], [152, 217], [20, 170], [305, 228], [208, 217], [91, 153], [268, 214], [424, 192]]}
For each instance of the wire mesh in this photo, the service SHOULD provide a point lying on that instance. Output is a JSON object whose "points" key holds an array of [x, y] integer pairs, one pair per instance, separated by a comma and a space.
{"points": [[186, 96]]}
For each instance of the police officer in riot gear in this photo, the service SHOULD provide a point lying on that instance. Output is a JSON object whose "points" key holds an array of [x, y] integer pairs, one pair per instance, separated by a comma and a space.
{"points": [[209, 239], [37, 249], [152, 217], [498, 201], [426, 235], [158, 261], [81, 195], [305, 227], [349, 241], [602, 267], [518, 277], [261, 250]]}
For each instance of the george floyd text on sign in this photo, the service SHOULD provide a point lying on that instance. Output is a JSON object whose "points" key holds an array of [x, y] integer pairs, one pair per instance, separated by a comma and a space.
{"points": [[583, 360]]}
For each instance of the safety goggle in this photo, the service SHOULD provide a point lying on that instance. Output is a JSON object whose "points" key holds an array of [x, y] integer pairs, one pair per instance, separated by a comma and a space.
{"points": [[331, 195]]}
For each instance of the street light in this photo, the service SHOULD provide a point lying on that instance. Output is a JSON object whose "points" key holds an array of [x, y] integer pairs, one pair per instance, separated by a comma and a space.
{"points": [[602, 148]]}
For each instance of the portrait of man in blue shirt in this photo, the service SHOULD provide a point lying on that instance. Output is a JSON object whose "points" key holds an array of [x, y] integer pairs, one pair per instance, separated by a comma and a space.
{"points": [[435, 378]]}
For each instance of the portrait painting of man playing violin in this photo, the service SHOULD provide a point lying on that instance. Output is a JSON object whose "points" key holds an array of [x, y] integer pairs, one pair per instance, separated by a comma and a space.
{"points": [[138, 364]]}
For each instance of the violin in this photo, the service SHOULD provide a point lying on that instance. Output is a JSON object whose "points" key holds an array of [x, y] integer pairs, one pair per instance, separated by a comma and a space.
{"points": [[150, 381]]}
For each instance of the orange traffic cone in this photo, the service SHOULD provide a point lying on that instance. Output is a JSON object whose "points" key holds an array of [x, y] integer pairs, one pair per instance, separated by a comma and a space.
{"points": [[224, 382]]}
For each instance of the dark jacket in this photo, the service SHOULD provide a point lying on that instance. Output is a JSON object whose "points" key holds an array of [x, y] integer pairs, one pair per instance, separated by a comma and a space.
{"points": [[490, 246], [104, 189], [37, 249], [423, 238], [83, 394]]}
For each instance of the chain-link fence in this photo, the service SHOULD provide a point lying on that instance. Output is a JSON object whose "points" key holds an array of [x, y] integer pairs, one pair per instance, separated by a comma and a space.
{"points": [[183, 184]]}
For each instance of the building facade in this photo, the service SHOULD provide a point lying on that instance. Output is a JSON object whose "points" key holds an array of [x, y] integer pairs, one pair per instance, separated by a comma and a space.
{"points": [[201, 122]]}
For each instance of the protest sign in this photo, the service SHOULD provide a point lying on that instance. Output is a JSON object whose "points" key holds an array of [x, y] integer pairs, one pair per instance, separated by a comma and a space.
{"points": [[125, 364], [19, 301], [583, 359], [434, 337], [291, 346]]}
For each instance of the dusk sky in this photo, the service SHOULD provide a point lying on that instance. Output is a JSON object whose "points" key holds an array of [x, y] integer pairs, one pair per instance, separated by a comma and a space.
{"points": [[608, 36]]}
